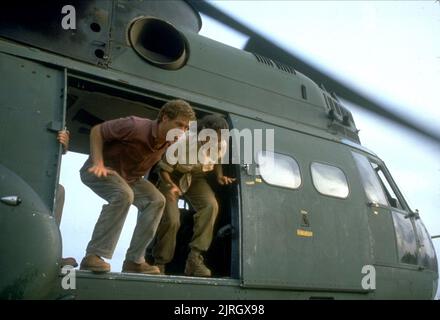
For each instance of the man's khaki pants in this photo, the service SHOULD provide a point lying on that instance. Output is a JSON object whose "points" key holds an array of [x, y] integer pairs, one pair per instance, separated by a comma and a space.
{"points": [[120, 196], [202, 198]]}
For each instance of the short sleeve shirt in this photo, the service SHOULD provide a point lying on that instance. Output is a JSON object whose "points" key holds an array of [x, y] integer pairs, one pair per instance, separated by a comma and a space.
{"points": [[129, 146]]}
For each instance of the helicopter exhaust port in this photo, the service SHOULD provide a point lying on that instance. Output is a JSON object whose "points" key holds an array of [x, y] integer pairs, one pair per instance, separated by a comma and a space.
{"points": [[158, 42]]}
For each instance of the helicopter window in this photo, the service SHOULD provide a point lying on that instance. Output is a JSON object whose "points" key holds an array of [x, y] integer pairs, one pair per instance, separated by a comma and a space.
{"points": [[329, 180], [389, 192], [427, 256], [279, 170], [405, 236], [371, 183]]}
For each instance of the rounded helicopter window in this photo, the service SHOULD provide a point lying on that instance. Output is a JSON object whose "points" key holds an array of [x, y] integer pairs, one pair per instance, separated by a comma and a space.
{"points": [[279, 170], [158, 42], [329, 180]]}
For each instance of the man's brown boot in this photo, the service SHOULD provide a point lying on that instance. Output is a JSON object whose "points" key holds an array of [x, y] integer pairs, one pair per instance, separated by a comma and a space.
{"points": [[95, 264], [133, 267], [195, 266]]}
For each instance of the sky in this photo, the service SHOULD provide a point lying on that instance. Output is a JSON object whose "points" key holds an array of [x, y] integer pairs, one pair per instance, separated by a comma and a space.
{"points": [[388, 49]]}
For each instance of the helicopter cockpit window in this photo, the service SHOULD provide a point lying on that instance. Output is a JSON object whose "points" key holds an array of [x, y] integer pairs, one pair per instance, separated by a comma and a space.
{"points": [[279, 170], [405, 236], [427, 257], [370, 182], [389, 192], [329, 180]]}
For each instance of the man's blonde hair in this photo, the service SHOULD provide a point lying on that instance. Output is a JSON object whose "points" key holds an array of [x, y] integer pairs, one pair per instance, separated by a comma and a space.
{"points": [[176, 108]]}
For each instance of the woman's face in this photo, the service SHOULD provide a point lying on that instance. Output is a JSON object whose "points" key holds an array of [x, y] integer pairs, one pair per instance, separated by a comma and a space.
{"points": [[219, 139]]}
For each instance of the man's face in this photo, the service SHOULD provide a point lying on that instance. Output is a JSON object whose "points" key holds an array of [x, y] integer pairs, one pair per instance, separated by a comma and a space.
{"points": [[180, 123]]}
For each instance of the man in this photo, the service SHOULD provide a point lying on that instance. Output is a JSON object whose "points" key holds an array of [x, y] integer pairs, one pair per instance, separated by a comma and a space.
{"points": [[122, 151], [190, 179], [63, 138]]}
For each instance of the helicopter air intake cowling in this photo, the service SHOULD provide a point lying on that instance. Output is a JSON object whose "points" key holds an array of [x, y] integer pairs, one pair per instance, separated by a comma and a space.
{"points": [[158, 42]]}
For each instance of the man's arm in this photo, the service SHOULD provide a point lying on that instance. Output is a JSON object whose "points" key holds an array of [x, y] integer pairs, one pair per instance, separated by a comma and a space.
{"points": [[96, 146], [173, 188], [218, 168], [221, 179], [63, 138]]}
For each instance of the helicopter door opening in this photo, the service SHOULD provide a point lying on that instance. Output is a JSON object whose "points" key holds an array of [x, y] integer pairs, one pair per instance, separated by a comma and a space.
{"points": [[90, 103]]}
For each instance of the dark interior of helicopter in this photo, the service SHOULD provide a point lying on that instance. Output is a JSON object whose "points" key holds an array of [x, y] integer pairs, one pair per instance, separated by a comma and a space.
{"points": [[90, 103]]}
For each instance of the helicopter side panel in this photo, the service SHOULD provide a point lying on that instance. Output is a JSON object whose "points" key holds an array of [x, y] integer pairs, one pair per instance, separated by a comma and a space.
{"points": [[39, 24], [30, 242], [135, 287], [32, 111], [392, 284], [297, 237], [404, 283]]}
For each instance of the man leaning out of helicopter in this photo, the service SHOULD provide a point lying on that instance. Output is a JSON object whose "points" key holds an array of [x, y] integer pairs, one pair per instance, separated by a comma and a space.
{"points": [[122, 152]]}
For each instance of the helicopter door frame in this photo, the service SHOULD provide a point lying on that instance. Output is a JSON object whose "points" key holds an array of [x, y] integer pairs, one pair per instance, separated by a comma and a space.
{"points": [[233, 195]]}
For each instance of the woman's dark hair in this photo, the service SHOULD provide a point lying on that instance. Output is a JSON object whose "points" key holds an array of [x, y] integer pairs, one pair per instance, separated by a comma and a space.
{"points": [[212, 121]]}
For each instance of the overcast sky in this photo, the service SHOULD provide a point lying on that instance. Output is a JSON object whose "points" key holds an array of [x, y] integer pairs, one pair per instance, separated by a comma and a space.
{"points": [[388, 49]]}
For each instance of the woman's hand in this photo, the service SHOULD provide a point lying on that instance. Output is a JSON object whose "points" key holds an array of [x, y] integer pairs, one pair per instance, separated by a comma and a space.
{"points": [[224, 180]]}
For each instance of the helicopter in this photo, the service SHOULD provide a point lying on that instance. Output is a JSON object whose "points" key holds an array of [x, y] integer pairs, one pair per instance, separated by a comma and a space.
{"points": [[305, 228]]}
